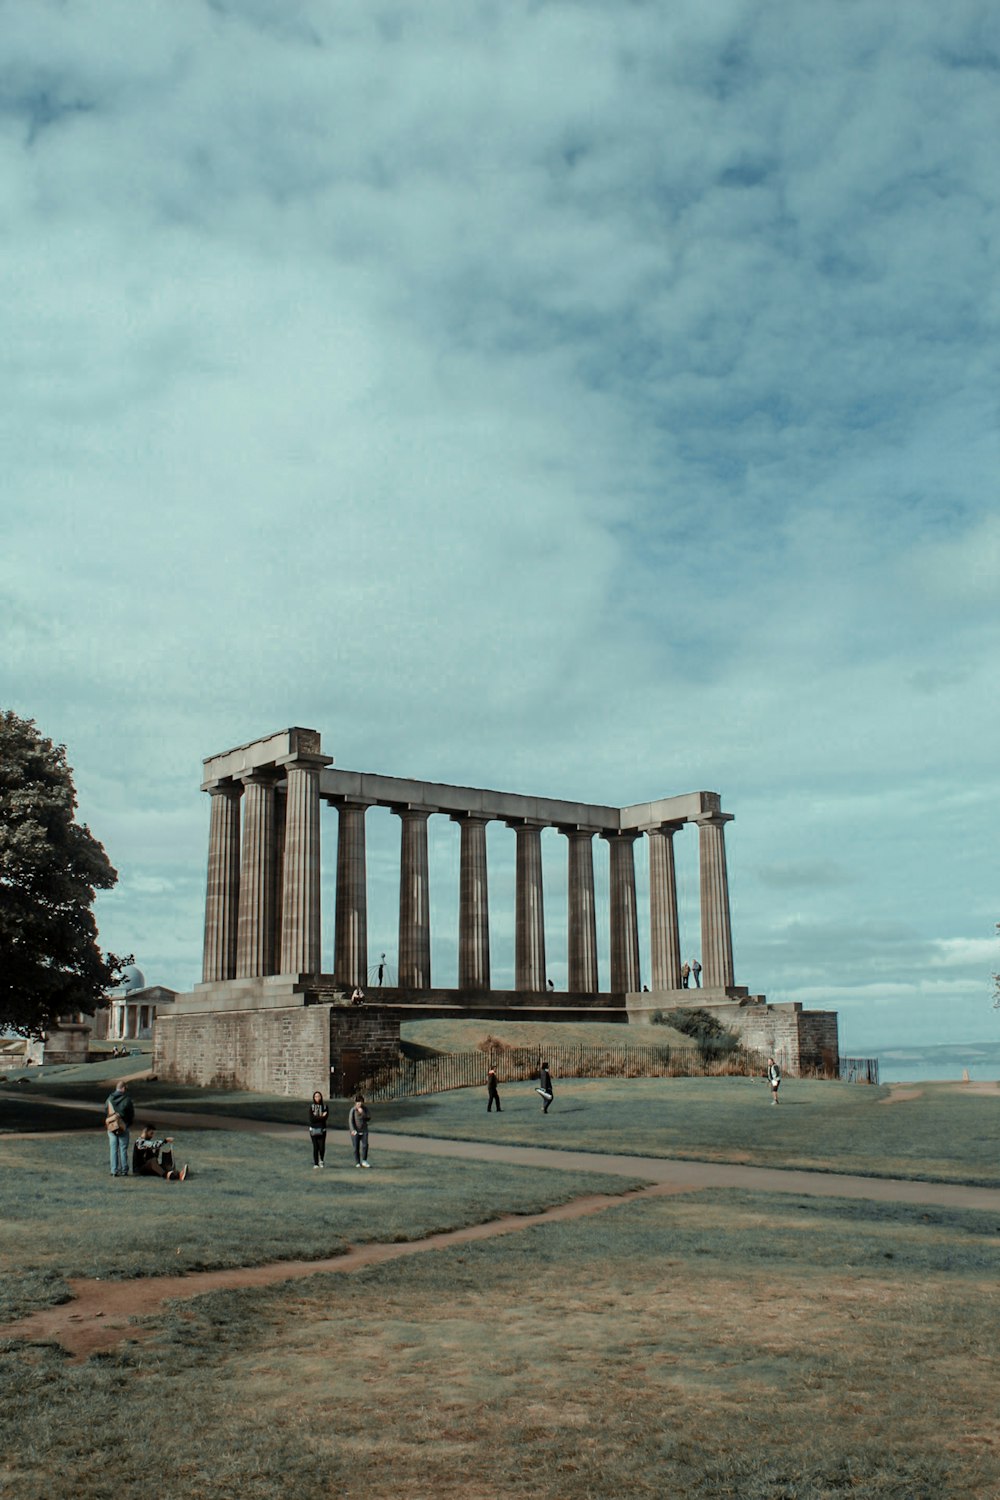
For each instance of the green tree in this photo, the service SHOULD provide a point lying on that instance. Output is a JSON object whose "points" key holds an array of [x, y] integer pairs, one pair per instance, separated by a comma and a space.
{"points": [[51, 868]]}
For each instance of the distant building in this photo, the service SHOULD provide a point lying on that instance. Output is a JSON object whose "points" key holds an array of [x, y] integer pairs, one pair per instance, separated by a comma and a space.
{"points": [[132, 1010]]}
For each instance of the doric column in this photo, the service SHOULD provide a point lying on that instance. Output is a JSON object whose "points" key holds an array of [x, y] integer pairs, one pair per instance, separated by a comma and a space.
{"points": [[624, 919], [301, 951], [664, 927], [414, 900], [350, 958], [255, 941], [473, 905], [529, 909], [581, 912], [716, 932], [222, 894]]}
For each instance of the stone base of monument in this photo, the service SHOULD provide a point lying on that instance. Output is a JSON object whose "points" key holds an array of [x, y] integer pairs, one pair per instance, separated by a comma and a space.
{"points": [[291, 1034], [801, 1040]]}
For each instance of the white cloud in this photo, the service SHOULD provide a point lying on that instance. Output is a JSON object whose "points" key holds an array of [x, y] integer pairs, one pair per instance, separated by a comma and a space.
{"points": [[581, 399]]}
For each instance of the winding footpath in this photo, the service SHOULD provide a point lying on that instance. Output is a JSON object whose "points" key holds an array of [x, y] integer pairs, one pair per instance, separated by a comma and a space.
{"points": [[100, 1313]]}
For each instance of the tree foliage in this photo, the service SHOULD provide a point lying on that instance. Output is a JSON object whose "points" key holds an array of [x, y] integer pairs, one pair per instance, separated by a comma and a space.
{"points": [[51, 868]]}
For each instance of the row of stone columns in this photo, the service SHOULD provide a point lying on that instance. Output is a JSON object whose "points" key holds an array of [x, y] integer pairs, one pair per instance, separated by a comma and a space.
{"points": [[263, 896], [262, 908]]}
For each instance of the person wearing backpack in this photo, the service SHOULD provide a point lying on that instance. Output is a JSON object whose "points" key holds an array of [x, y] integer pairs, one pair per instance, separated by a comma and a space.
{"points": [[119, 1112]]}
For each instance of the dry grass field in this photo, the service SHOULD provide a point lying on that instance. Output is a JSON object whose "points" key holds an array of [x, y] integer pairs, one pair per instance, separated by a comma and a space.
{"points": [[699, 1346]]}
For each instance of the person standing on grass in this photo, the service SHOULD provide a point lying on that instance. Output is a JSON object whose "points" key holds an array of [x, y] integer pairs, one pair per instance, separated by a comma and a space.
{"points": [[357, 1124], [773, 1078], [319, 1113], [492, 1092], [545, 1087], [119, 1112]]}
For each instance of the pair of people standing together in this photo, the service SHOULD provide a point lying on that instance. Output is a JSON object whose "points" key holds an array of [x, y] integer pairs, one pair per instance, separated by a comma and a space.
{"points": [[357, 1124]]}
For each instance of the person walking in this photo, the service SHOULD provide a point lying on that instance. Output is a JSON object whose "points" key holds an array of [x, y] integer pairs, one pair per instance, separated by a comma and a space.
{"points": [[119, 1112], [773, 1078], [319, 1113], [696, 973], [357, 1124], [492, 1091], [685, 975], [545, 1087]]}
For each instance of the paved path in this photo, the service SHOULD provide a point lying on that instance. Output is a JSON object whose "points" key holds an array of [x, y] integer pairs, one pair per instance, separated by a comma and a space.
{"points": [[683, 1176]]}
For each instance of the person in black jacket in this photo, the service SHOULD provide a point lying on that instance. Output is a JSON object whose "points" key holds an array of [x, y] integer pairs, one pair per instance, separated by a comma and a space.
{"points": [[357, 1124], [492, 1092], [318, 1115], [545, 1087]]}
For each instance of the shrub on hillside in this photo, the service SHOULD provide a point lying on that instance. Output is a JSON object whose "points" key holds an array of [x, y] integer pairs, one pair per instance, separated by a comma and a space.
{"points": [[713, 1040]]}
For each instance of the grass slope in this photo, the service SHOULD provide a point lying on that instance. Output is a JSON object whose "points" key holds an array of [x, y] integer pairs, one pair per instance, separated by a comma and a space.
{"points": [[467, 1036], [250, 1200], [688, 1347], [943, 1135]]}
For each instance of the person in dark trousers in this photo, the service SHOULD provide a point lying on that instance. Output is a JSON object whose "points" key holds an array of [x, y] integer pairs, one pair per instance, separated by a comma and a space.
{"points": [[357, 1124], [381, 970], [696, 973], [773, 1078], [492, 1092], [685, 975], [319, 1113], [545, 1087], [151, 1158], [119, 1112]]}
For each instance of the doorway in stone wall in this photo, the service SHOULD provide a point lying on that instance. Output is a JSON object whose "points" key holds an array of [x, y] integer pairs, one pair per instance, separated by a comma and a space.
{"points": [[350, 1072]]}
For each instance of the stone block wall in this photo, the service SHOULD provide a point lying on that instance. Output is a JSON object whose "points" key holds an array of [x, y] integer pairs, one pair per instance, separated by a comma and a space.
{"points": [[282, 1050], [800, 1039], [362, 1039]]}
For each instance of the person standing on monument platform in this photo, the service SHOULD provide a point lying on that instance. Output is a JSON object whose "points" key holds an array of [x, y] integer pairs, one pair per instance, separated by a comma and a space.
{"points": [[357, 1124], [685, 975], [696, 973]]}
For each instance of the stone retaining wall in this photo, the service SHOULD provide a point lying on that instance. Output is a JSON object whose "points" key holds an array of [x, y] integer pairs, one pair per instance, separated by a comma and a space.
{"points": [[267, 1051]]}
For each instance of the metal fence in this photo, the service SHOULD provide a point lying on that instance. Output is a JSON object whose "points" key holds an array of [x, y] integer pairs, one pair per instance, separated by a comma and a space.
{"points": [[859, 1069]]}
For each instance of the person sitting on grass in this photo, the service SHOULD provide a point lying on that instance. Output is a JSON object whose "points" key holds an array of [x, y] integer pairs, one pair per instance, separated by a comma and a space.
{"points": [[152, 1158]]}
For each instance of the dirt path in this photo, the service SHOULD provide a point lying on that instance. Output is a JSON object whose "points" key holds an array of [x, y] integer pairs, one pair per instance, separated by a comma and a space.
{"points": [[100, 1314]]}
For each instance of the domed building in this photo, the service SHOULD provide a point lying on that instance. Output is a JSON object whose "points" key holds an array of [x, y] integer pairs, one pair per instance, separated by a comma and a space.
{"points": [[134, 1005]]}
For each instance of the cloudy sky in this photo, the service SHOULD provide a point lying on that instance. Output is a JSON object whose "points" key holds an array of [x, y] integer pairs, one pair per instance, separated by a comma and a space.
{"points": [[594, 399]]}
